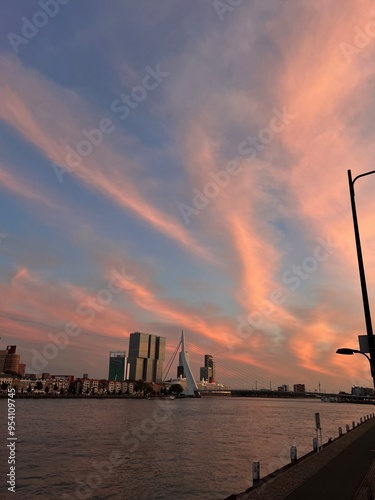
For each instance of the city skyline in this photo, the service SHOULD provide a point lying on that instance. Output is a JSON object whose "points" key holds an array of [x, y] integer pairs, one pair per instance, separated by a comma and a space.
{"points": [[119, 367], [188, 174]]}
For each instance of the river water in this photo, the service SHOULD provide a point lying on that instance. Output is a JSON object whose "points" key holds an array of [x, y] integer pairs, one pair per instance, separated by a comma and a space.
{"points": [[149, 450]]}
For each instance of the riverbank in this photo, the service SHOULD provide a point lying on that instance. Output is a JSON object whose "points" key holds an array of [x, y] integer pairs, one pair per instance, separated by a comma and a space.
{"points": [[344, 469]]}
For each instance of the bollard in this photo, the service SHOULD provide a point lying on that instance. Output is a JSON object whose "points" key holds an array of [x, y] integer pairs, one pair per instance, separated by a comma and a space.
{"points": [[347, 427], [256, 473], [293, 454], [360, 420], [315, 444], [340, 431], [353, 424]]}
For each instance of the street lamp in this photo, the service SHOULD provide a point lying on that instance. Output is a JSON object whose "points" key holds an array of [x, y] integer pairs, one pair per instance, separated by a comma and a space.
{"points": [[348, 351], [366, 306]]}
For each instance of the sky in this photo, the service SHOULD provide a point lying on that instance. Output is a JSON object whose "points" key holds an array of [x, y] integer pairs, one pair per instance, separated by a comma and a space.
{"points": [[182, 165]]}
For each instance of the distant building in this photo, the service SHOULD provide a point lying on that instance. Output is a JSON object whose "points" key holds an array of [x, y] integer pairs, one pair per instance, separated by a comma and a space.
{"points": [[299, 388], [33, 376], [117, 366], [207, 372], [67, 378], [12, 360], [146, 357], [88, 385], [362, 391], [284, 388], [22, 369], [180, 368], [5, 379], [3, 353]]}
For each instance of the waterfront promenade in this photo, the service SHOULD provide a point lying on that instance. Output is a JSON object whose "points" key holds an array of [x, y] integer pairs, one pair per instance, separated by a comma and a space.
{"points": [[344, 469]]}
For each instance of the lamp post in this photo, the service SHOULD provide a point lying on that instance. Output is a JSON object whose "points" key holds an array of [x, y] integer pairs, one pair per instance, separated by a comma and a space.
{"points": [[348, 351], [366, 306]]}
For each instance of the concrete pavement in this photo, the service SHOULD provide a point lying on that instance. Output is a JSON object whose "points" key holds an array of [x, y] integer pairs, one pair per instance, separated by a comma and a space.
{"points": [[343, 470]]}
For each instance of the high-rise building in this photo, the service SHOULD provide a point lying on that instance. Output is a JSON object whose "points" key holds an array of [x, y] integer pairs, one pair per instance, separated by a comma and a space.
{"points": [[180, 368], [22, 369], [117, 366], [207, 372], [12, 360], [3, 353], [299, 388], [146, 357]]}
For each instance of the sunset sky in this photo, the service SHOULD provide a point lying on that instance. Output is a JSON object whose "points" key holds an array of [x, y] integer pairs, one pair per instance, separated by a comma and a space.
{"points": [[179, 165]]}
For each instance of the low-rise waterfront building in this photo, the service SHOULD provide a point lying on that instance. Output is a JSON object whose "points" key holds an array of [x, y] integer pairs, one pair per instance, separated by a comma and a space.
{"points": [[362, 391], [5, 380]]}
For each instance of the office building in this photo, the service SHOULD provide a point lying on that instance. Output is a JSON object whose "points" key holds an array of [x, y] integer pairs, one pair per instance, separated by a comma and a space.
{"points": [[362, 391], [146, 357], [12, 360], [207, 372], [299, 388], [180, 368], [117, 366]]}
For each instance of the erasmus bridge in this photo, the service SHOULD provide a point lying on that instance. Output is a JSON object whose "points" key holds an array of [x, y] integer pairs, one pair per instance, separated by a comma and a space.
{"points": [[192, 388]]}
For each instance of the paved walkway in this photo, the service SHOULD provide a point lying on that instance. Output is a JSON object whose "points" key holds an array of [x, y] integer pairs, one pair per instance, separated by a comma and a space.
{"points": [[344, 470]]}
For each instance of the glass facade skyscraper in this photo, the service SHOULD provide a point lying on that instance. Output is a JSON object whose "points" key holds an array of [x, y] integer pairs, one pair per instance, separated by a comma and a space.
{"points": [[117, 366], [207, 372]]}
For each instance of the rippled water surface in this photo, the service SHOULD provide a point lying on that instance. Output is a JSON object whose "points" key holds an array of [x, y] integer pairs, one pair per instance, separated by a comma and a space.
{"points": [[148, 450]]}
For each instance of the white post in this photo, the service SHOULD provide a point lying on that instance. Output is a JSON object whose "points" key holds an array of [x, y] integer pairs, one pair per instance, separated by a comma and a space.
{"points": [[321, 440], [256, 473], [318, 427], [315, 444]]}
